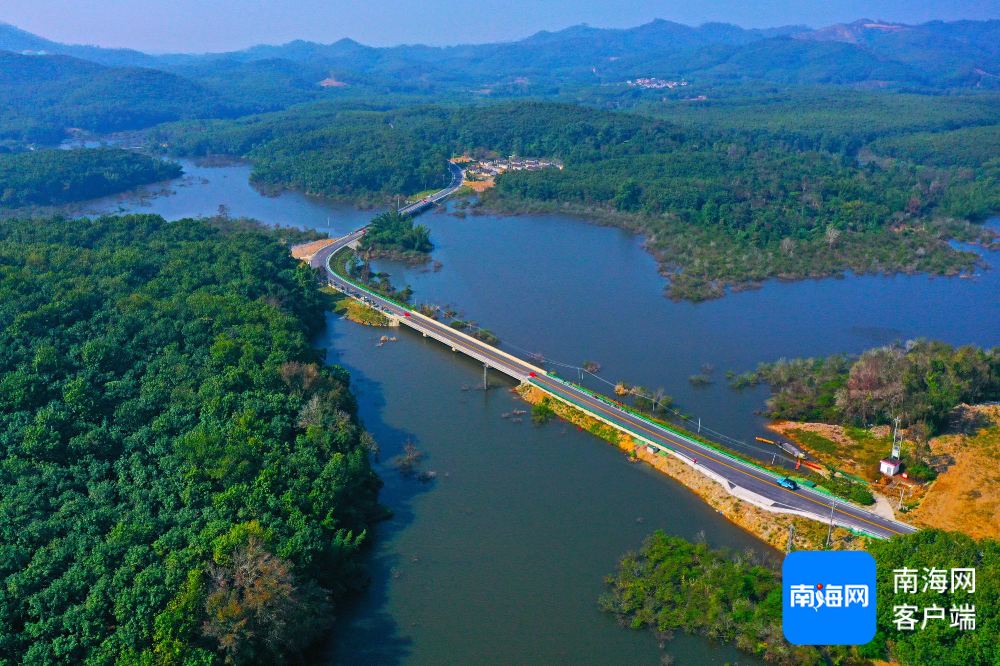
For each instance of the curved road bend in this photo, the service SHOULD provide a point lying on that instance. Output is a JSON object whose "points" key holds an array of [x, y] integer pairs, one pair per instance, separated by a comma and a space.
{"points": [[734, 471], [457, 178]]}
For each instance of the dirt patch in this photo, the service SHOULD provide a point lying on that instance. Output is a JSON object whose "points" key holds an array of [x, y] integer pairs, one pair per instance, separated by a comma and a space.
{"points": [[853, 450], [307, 250], [479, 185], [770, 527], [350, 308], [966, 495], [362, 314]]}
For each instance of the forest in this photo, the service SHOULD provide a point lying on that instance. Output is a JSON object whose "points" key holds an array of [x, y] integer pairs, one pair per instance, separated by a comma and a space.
{"points": [[919, 382], [720, 209], [184, 480], [47, 87], [395, 236], [836, 120], [54, 177], [672, 585]]}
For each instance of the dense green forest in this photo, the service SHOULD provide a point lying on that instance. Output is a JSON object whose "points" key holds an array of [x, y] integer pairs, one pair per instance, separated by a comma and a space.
{"points": [[832, 119], [970, 147], [672, 584], [184, 481], [395, 236], [53, 177], [40, 96], [46, 87], [717, 212], [919, 383]]}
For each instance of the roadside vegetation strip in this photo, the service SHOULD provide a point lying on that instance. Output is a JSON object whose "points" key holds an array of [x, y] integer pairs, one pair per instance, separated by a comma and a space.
{"points": [[643, 417], [811, 484], [340, 273]]}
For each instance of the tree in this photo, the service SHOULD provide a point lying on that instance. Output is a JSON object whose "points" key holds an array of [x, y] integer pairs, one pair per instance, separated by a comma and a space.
{"points": [[255, 609], [874, 385]]}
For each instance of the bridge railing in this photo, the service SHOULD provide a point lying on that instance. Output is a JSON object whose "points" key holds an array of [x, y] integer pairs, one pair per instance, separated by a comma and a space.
{"points": [[657, 424], [431, 332]]}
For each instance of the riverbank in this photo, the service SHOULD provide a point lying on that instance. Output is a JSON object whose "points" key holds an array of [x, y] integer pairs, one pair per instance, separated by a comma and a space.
{"points": [[768, 526]]}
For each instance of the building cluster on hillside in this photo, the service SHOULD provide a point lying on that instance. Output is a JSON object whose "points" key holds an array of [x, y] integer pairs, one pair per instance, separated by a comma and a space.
{"points": [[656, 83], [491, 168]]}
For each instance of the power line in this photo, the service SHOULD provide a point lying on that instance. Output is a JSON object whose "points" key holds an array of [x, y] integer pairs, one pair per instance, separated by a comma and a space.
{"points": [[719, 437]]}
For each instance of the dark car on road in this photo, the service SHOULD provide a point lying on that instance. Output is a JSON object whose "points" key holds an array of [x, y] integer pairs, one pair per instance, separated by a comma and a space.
{"points": [[787, 483]]}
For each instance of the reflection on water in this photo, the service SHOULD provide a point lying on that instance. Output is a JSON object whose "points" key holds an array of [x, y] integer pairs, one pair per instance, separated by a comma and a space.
{"points": [[500, 559]]}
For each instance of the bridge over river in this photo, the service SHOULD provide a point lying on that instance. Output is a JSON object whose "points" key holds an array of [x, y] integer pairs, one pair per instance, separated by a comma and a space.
{"points": [[739, 477], [457, 178]]}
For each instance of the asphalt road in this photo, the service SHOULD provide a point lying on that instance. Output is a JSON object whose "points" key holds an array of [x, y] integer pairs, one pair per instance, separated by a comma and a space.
{"points": [[457, 178], [732, 470]]}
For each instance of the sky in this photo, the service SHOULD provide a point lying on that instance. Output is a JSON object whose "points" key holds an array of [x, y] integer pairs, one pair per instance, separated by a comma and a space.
{"points": [[196, 26]]}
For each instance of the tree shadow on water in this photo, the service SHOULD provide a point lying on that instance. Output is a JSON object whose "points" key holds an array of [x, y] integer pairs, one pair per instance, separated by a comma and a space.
{"points": [[365, 631]]}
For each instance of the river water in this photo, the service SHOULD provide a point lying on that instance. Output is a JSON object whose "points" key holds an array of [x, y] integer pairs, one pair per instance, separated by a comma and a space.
{"points": [[500, 559]]}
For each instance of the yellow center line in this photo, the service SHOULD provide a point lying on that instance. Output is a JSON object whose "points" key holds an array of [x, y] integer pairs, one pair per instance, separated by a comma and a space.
{"points": [[750, 474], [438, 328]]}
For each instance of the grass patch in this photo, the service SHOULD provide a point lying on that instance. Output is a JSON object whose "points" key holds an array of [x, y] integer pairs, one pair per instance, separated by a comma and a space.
{"points": [[815, 442], [334, 300], [342, 304], [487, 336], [542, 412], [700, 381], [338, 262], [413, 198], [362, 314]]}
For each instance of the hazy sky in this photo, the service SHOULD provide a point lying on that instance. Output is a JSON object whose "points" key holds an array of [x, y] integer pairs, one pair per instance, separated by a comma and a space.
{"points": [[218, 25]]}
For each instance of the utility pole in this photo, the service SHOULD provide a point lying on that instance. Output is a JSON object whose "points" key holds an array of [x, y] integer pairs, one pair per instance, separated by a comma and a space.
{"points": [[901, 489], [829, 533], [329, 228], [791, 535], [897, 440], [699, 425]]}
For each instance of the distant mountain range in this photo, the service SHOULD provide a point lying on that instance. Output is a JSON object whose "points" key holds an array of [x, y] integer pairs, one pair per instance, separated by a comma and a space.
{"points": [[935, 54], [46, 86]]}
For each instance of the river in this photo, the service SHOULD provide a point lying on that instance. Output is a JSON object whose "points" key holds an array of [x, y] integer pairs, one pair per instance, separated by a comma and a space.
{"points": [[500, 559]]}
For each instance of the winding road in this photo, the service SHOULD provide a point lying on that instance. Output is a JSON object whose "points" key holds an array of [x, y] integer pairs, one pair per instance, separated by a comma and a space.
{"points": [[457, 178], [740, 478]]}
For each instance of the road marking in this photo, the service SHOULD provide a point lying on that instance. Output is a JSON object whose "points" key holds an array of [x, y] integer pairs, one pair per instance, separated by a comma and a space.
{"points": [[747, 473]]}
